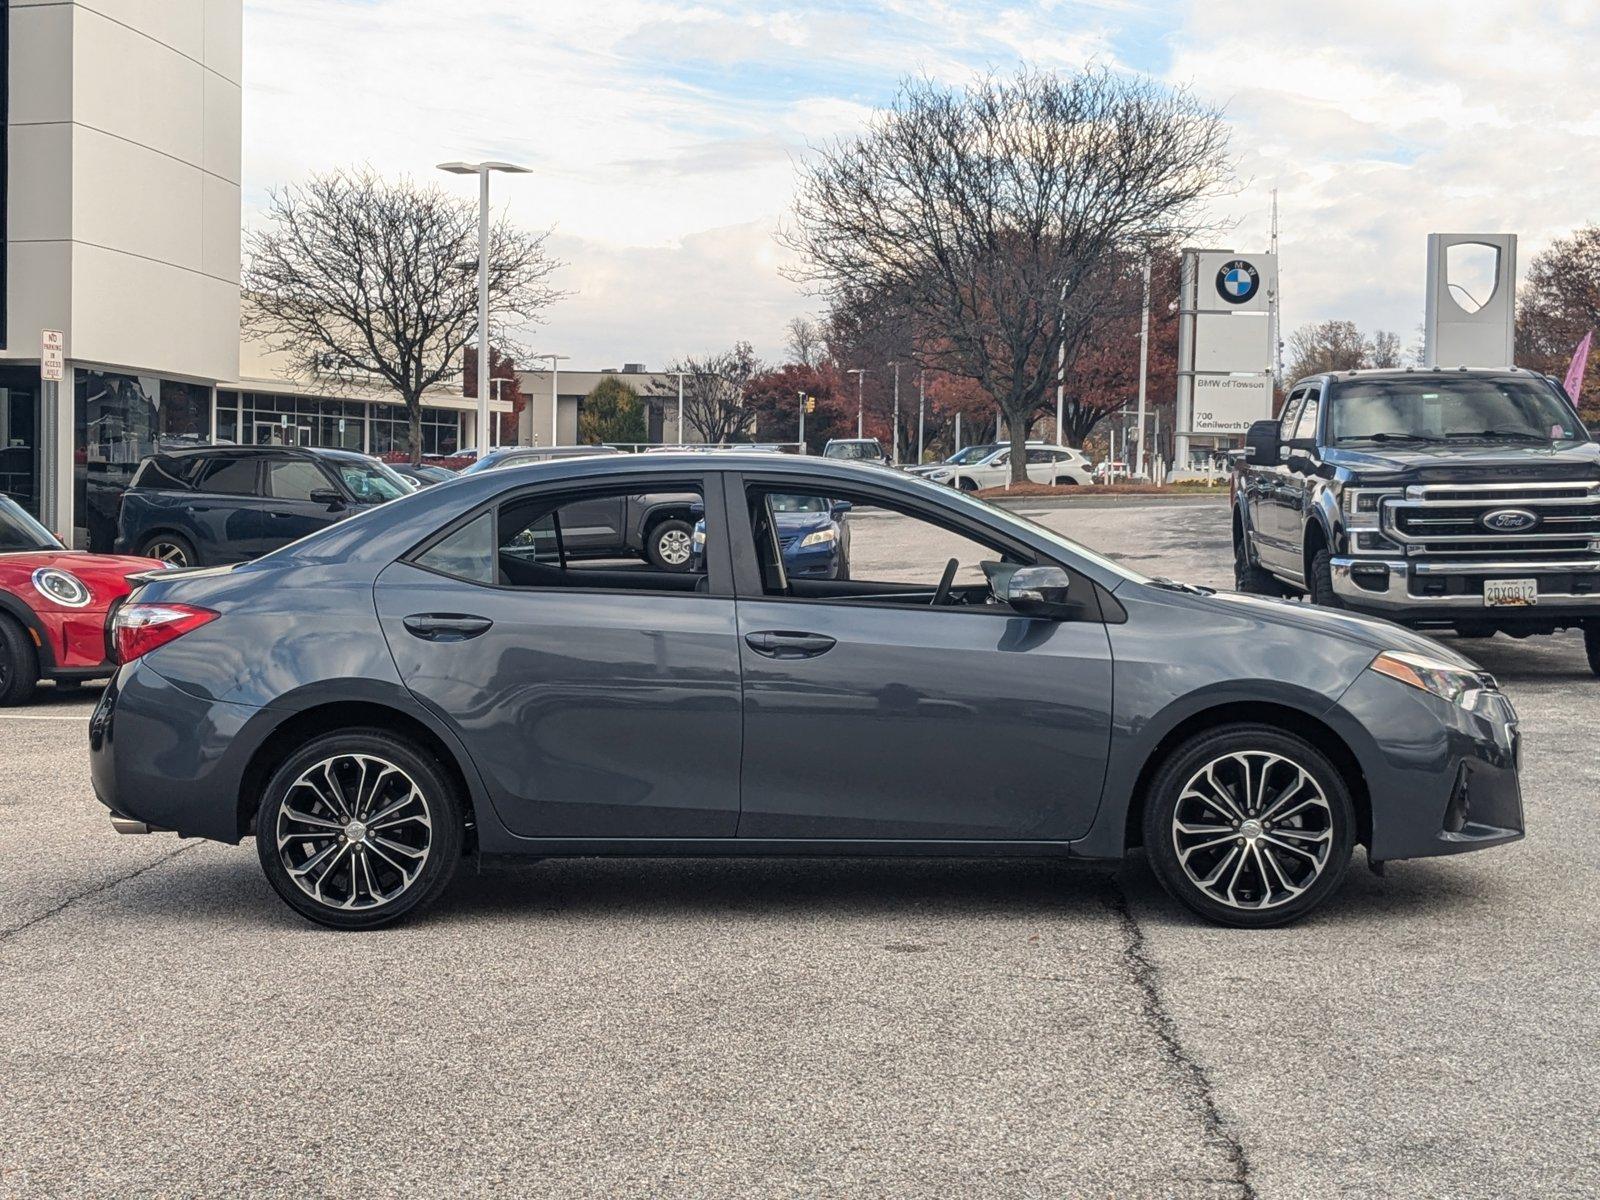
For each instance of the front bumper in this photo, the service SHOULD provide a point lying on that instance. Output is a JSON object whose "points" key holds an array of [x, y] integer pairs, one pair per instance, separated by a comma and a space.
{"points": [[1398, 586], [1440, 779]]}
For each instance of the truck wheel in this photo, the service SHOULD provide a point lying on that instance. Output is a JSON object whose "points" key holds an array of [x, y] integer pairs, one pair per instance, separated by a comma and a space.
{"points": [[670, 544], [1591, 646], [19, 665], [1321, 581], [1249, 577]]}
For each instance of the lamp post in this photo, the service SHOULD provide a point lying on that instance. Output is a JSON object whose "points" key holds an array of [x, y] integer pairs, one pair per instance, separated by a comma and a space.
{"points": [[483, 170], [555, 398], [922, 398], [860, 373], [894, 440], [682, 441], [802, 422]]}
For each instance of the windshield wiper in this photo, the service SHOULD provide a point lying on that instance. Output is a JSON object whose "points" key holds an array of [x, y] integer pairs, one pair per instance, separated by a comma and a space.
{"points": [[1519, 435], [1173, 585], [1393, 437]]}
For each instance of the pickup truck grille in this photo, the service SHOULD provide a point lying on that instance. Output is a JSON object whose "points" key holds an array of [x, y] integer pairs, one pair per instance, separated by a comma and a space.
{"points": [[1549, 520]]}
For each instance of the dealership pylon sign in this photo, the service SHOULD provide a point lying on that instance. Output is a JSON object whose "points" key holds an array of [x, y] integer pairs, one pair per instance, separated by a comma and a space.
{"points": [[1225, 347]]}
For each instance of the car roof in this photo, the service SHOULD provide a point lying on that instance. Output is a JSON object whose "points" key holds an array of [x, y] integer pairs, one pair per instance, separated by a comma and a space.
{"points": [[291, 451], [1366, 373]]}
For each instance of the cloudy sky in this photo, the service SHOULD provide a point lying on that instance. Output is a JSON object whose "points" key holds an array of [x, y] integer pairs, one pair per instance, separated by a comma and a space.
{"points": [[663, 135]]}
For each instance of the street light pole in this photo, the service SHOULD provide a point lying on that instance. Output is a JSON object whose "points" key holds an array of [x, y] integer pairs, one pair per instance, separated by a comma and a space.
{"points": [[482, 170], [802, 422], [682, 441], [894, 439], [860, 373], [922, 396], [1144, 361], [555, 396]]}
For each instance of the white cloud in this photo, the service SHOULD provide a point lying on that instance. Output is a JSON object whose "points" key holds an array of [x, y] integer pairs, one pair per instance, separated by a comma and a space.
{"points": [[662, 134]]}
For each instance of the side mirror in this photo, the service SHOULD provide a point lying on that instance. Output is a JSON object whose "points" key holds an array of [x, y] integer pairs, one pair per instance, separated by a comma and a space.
{"points": [[328, 497], [1300, 462], [838, 508], [1038, 591], [1261, 445]]}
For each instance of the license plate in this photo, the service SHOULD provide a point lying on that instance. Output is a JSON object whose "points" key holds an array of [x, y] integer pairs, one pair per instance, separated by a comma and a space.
{"points": [[1510, 593]]}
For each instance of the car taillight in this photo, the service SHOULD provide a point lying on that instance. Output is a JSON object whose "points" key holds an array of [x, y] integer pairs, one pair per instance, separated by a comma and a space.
{"points": [[139, 628]]}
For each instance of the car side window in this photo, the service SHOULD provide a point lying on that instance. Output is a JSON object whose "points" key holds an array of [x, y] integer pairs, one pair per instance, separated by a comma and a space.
{"points": [[1306, 426], [233, 475], [1290, 415], [295, 479], [468, 553], [1041, 456]]}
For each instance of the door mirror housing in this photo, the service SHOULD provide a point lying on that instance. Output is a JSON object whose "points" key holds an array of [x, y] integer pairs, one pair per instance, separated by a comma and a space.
{"points": [[1261, 445], [1039, 591], [328, 497], [838, 508]]}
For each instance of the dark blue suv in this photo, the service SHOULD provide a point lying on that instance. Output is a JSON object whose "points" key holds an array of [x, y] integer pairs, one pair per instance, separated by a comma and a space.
{"points": [[225, 504]]}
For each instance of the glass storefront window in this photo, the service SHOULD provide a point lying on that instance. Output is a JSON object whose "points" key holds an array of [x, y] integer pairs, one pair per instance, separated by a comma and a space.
{"points": [[19, 436]]}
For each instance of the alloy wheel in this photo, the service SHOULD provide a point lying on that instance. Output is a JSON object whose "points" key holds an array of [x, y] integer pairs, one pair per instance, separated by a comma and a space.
{"points": [[168, 552], [354, 832], [674, 547], [1252, 829]]}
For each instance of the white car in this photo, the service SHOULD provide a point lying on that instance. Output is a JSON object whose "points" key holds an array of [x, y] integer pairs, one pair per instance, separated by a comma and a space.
{"points": [[979, 467]]}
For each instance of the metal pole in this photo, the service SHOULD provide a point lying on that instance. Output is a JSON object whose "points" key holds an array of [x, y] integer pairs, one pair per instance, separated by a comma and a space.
{"points": [[1144, 361], [921, 410], [894, 454], [1183, 418], [958, 432], [681, 440], [860, 404], [555, 402], [802, 422], [483, 311]]}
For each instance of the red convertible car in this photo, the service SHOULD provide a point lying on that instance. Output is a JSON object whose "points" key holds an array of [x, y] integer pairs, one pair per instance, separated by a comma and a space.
{"points": [[54, 605]]}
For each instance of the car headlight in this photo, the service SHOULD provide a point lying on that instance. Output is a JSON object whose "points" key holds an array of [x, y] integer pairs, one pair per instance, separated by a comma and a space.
{"points": [[1445, 680], [1363, 506], [61, 587], [940, 476], [820, 538]]}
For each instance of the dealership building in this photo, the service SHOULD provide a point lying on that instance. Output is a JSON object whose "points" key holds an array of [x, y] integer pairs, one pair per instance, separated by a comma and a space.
{"points": [[121, 212]]}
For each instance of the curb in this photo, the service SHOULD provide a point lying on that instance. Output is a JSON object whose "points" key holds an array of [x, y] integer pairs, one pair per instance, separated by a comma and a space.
{"points": [[1105, 500]]}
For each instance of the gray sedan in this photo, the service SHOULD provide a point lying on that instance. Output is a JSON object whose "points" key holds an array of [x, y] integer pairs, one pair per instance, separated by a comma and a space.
{"points": [[441, 677]]}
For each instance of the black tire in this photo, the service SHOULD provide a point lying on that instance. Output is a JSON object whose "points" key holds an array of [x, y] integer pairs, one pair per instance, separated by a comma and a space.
{"points": [[1320, 586], [391, 895], [968, 485], [170, 548], [1591, 646], [669, 545], [1319, 818], [1249, 577], [19, 663]]}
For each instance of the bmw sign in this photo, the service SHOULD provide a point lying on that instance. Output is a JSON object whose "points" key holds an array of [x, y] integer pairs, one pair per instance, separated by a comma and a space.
{"points": [[1238, 281], [1510, 520]]}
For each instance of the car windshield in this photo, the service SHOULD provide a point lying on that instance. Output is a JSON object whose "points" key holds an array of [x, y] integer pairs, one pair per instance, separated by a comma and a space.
{"points": [[799, 504], [372, 481], [1432, 409], [970, 454], [19, 531], [993, 514], [855, 450]]}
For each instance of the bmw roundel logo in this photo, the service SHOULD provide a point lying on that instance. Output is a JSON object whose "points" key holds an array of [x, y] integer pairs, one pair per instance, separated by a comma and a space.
{"points": [[1237, 281], [1510, 520]]}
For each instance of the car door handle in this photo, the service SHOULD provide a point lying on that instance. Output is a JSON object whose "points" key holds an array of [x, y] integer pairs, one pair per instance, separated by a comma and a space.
{"points": [[446, 627], [775, 643]]}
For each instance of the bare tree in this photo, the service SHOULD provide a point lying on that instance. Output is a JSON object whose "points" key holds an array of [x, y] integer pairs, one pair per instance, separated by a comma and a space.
{"points": [[360, 279], [1326, 346], [804, 342], [714, 392], [986, 211], [1384, 349], [1559, 303]]}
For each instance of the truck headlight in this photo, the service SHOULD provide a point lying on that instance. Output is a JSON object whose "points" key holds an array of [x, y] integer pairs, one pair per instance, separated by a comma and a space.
{"points": [[1363, 506], [820, 538], [1445, 680]]}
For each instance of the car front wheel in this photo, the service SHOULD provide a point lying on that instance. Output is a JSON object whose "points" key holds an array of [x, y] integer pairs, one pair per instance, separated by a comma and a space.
{"points": [[19, 665], [359, 828], [1249, 826]]}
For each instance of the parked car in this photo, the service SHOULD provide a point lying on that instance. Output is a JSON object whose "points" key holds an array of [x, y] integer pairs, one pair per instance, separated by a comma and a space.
{"points": [[1046, 464], [520, 456], [966, 456], [1442, 499], [53, 606], [495, 696], [855, 450], [225, 504], [813, 535], [424, 475]]}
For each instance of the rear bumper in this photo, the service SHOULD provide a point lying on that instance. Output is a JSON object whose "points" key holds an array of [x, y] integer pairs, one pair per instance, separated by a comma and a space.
{"points": [[1398, 587]]}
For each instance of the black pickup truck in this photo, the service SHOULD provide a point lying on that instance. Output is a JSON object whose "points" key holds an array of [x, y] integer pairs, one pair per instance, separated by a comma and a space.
{"points": [[1466, 500]]}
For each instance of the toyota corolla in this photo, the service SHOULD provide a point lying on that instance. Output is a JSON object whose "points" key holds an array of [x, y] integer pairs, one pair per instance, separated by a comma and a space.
{"points": [[438, 678]]}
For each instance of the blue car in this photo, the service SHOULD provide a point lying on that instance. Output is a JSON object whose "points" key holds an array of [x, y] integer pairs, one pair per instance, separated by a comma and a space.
{"points": [[813, 536]]}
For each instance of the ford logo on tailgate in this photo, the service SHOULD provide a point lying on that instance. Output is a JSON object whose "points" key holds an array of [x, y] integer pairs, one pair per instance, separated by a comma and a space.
{"points": [[1510, 520]]}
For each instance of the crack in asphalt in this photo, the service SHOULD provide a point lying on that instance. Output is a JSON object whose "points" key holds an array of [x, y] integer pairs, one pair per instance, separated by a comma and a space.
{"points": [[1166, 1030], [12, 930]]}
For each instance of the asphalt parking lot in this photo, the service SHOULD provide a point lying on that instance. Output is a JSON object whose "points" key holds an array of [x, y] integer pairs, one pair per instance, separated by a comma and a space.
{"points": [[795, 1028]]}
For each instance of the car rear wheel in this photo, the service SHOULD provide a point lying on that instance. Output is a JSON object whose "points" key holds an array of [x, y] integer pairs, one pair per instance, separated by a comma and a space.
{"points": [[171, 549], [358, 829], [671, 545], [1249, 826], [19, 665]]}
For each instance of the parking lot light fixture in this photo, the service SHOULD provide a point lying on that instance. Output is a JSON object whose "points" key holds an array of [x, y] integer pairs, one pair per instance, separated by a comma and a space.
{"points": [[483, 170]]}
